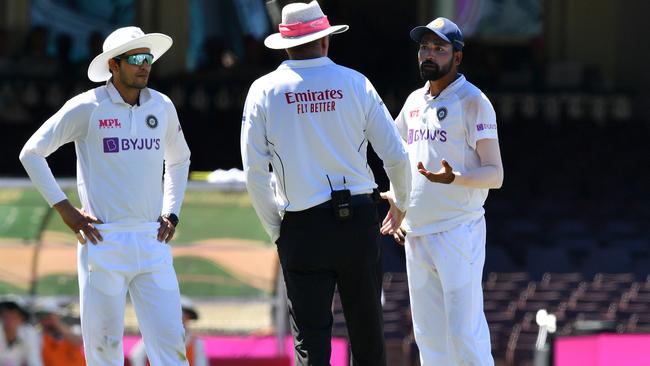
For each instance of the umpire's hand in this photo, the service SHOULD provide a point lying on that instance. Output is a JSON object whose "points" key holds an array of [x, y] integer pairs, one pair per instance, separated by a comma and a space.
{"points": [[79, 221], [400, 236], [394, 217]]}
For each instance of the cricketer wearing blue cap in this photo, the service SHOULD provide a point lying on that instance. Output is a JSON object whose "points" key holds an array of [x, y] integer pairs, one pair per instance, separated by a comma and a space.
{"points": [[450, 132]]}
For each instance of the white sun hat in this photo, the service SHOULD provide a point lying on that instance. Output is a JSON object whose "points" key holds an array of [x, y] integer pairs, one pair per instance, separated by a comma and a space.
{"points": [[188, 306], [49, 305], [301, 23], [123, 40]]}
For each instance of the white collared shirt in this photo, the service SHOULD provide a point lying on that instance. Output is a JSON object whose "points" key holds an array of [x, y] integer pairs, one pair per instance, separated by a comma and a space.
{"points": [[26, 350], [445, 127], [120, 152], [311, 119]]}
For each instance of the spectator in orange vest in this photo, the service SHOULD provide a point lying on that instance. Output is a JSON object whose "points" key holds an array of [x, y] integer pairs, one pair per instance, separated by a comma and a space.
{"points": [[195, 348], [62, 343]]}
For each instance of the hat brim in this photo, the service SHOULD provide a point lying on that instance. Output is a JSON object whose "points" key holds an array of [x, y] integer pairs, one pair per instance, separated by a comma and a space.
{"points": [[277, 42], [418, 32], [193, 314], [157, 43], [50, 310]]}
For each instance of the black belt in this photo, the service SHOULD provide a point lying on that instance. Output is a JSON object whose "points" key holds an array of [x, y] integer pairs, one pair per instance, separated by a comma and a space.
{"points": [[356, 200]]}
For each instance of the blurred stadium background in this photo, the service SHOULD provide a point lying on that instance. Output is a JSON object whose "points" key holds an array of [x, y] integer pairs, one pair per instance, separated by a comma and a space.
{"points": [[568, 232]]}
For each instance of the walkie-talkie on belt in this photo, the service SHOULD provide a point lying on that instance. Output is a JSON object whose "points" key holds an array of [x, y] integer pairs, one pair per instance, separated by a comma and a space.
{"points": [[341, 201]]}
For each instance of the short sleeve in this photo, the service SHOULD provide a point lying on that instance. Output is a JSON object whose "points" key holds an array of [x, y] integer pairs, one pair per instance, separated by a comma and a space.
{"points": [[481, 120]]}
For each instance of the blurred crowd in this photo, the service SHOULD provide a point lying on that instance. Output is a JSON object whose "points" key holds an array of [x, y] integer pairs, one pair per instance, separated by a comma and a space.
{"points": [[46, 332], [41, 333], [38, 75], [38, 72], [43, 54]]}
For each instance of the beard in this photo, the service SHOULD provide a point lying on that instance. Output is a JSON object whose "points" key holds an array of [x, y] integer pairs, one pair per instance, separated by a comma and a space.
{"points": [[433, 71]]}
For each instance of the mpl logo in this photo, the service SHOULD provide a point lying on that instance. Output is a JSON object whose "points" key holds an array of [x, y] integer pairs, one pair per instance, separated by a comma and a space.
{"points": [[109, 123], [111, 145], [414, 113]]}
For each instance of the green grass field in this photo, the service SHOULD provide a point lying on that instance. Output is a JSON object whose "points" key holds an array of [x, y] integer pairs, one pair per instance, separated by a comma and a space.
{"points": [[201, 277], [58, 284], [197, 277], [205, 215], [22, 212], [7, 288]]}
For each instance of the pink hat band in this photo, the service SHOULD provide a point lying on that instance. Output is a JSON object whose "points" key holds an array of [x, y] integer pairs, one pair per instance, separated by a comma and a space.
{"points": [[303, 28]]}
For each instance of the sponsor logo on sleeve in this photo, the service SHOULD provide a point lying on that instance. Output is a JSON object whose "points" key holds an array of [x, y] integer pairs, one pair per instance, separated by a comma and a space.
{"points": [[486, 126], [414, 113]]}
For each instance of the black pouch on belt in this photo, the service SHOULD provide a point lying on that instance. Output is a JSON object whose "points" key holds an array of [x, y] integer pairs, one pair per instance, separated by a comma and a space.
{"points": [[341, 204]]}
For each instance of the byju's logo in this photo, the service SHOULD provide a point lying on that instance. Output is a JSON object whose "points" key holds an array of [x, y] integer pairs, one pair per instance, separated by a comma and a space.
{"points": [[415, 135], [111, 145], [115, 144], [486, 126]]}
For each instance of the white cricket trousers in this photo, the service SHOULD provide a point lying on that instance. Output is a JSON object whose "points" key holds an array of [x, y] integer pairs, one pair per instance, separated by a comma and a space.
{"points": [[444, 278], [129, 258]]}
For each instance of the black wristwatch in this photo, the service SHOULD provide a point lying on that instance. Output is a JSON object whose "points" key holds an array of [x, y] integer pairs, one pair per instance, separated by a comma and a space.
{"points": [[172, 218]]}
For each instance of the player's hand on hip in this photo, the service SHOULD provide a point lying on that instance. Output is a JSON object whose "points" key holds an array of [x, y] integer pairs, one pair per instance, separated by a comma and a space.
{"points": [[445, 175], [80, 222], [394, 217], [166, 230]]}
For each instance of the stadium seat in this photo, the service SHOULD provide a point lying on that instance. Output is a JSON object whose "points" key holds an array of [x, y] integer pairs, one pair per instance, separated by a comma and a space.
{"points": [[541, 260], [608, 278], [498, 260], [509, 277], [569, 229], [610, 260]]}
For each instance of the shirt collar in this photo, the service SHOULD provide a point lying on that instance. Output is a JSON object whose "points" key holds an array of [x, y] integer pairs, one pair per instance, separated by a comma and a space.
{"points": [[145, 94], [460, 80], [301, 64]]}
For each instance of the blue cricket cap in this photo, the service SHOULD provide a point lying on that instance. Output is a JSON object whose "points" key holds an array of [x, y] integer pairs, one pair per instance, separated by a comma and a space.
{"points": [[444, 28]]}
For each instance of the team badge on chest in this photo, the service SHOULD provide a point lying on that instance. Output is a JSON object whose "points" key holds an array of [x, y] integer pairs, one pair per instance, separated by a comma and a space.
{"points": [[442, 113], [152, 121]]}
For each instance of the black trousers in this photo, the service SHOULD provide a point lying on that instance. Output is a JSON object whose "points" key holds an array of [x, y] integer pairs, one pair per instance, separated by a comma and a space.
{"points": [[318, 252]]}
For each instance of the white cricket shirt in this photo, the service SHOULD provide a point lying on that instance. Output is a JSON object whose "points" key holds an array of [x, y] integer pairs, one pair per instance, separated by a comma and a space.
{"points": [[26, 350], [120, 152], [446, 127], [311, 119]]}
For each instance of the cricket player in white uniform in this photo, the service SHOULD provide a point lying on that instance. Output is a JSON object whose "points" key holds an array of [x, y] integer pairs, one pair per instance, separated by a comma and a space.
{"points": [[312, 119], [449, 128], [123, 134]]}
